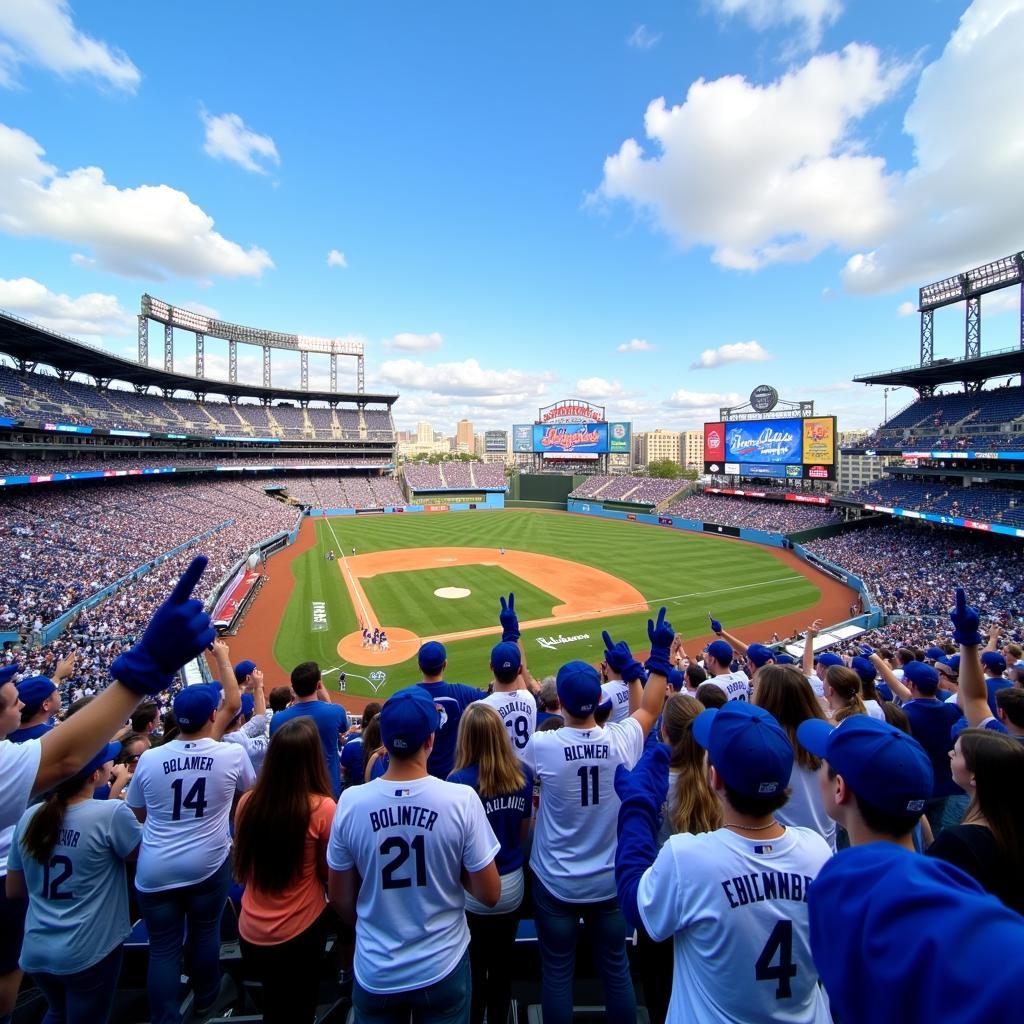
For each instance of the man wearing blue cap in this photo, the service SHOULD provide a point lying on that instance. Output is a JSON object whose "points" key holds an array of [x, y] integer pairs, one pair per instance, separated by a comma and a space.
{"points": [[513, 692], [757, 655], [574, 840], [875, 781], [402, 848], [736, 896], [718, 665], [41, 700]]}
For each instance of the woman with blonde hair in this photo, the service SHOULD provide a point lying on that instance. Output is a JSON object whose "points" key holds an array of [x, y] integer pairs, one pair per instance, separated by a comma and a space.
{"points": [[843, 693], [486, 760], [784, 691]]}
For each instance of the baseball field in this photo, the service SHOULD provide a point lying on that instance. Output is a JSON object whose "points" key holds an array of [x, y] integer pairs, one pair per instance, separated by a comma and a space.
{"points": [[439, 576]]}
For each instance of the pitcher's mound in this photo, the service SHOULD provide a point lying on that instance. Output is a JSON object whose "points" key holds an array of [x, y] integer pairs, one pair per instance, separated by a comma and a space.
{"points": [[402, 643], [452, 593]]}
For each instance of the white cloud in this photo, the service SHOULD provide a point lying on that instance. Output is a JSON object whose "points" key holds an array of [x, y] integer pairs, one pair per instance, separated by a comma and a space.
{"points": [[408, 342], [636, 345], [961, 203], [642, 38], [228, 138], [41, 33], [467, 378], [595, 388], [336, 258], [810, 15], [151, 231], [92, 314], [701, 399], [739, 352], [906, 309], [764, 173]]}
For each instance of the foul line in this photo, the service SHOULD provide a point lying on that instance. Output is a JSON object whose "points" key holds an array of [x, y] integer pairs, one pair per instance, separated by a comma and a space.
{"points": [[354, 589]]}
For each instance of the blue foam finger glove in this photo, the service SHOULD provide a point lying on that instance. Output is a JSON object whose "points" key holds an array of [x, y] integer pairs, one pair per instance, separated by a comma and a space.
{"points": [[661, 635], [178, 631], [618, 656], [8, 672], [634, 670], [508, 619], [642, 793], [865, 650], [966, 621], [716, 626]]}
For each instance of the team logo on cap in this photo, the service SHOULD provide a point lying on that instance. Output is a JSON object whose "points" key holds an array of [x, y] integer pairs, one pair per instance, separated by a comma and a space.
{"points": [[916, 806], [767, 787]]}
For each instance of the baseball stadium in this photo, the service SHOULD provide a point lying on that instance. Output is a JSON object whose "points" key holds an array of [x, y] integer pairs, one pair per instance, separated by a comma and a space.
{"points": [[535, 612]]}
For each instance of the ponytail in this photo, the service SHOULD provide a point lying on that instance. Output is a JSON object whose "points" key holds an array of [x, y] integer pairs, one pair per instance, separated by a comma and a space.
{"points": [[694, 807], [846, 684], [43, 830]]}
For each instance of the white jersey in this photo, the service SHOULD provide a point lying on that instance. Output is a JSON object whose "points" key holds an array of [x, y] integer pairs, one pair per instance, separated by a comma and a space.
{"points": [[518, 710], [255, 747], [617, 691], [574, 842], [409, 842], [806, 807], [738, 910], [19, 765], [186, 788], [816, 685], [735, 684]]}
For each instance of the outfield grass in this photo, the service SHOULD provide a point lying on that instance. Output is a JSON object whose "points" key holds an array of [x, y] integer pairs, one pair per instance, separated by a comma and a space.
{"points": [[410, 596], [689, 573]]}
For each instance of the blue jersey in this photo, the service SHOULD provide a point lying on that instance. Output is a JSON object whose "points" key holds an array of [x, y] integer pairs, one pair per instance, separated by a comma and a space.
{"points": [[993, 685], [330, 720], [930, 724], [505, 813], [33, 732], [352, 761], [452, 699]]}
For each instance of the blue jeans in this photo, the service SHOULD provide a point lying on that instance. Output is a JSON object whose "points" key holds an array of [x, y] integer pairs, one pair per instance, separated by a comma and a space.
{"points": [[444, 1002], [165, 914], [86, 997], [557, 931]]}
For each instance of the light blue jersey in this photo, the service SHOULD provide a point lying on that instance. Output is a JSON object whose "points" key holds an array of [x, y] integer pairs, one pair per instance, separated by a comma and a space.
{"points": [[78, 900]]}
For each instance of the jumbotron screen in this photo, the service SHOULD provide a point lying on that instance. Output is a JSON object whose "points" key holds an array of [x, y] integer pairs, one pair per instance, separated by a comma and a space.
{"points": [[572, 440], [792, 449]]}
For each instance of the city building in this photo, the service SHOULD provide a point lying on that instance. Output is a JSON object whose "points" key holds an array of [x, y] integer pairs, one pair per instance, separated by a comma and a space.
{"points": [[693, 449], [464, 436], [856, 471], [658, 446], [425, 433], [494, 446]]}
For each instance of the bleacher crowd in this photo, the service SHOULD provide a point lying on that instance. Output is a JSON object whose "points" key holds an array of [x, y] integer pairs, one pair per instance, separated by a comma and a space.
{"points": [[754, 514], [698, 800]]}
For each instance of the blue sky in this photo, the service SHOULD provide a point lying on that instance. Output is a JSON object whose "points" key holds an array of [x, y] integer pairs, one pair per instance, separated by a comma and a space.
{"points": [[655, 206]]}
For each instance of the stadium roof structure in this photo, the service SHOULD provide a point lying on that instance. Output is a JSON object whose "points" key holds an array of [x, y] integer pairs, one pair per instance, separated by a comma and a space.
{"points": [[1006, 362], [30, 344]]}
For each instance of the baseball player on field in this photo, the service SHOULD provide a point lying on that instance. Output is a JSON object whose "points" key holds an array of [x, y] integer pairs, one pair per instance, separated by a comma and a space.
{"points": [[401, 849], [735, 900]]}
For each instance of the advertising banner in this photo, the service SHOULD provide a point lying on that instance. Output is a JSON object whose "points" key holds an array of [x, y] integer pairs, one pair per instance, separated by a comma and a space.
{"points": [[522, 437], [578, 438], [714, 442], [763, 441], [619, 438], [819, 440]]}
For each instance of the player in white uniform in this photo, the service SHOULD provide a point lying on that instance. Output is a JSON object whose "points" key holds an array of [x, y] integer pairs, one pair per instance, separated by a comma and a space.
{"points": [[513, 697], [574, 842], [182, 792], [735, 899], [400, 848], [717, 662]]}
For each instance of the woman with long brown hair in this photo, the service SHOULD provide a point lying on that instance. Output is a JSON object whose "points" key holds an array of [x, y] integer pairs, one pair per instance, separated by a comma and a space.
{"points": [[486, 760], [989, 843], [843, 693], [282, 827], [784, 692]]}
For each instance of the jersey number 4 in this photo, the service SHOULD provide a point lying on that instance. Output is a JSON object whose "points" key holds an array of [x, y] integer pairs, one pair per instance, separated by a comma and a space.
{"points": [[400, 848], [194, 800], [780, 943]]}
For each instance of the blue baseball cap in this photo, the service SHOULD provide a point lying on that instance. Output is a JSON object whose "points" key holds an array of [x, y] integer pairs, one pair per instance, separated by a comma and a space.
{"points": [[760, 655], [432, 657], [885, 767], [785, 659], [720, 651], [945, 666], [408, 718], [33, 690], [244, 668], [8, 672], [923, 676], [109, 752], [505, 657], [248, 706], [934, 653], [747, 746], [864, 668], [579, 688], [992, 660], [828, 659], [194, 705], [676, 679]]}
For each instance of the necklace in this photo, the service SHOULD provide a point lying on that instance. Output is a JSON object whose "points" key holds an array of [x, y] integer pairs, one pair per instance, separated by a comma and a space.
{"points": [[751, 828]]}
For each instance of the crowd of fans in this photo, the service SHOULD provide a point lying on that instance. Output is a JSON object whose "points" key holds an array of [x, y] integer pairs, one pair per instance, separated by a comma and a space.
{"points": [[455, 475], [989, 504], [753, 513], [700, 797], [128, 463], [639, 490]]}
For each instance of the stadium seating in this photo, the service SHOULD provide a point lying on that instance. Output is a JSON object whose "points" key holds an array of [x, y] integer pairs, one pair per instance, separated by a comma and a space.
{"points": [[639, 490], [753, 513], [990, 504]]}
